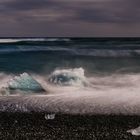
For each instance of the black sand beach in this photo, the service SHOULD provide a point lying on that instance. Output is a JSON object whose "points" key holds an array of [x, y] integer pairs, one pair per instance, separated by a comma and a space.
{"points": [[29, 126]]}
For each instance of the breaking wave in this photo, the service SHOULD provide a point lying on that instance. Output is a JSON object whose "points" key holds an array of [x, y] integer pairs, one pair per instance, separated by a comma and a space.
{"points": [[69, 77]]}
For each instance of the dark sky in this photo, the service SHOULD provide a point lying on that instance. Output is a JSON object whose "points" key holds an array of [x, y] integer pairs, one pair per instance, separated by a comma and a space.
{"points": [[69, 18]]}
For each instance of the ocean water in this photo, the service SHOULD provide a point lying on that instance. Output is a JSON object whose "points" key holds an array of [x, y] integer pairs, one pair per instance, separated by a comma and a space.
{"points": [[70, 75]]}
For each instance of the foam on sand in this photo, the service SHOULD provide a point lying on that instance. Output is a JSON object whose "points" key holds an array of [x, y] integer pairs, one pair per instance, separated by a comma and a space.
{"points": [[114, 94]]}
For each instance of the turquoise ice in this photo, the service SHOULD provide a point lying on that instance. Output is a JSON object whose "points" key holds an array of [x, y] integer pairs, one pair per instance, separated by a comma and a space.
{"points": [[25, 82]]}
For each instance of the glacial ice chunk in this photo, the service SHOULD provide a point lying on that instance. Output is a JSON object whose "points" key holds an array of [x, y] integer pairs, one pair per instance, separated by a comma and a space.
{"points": [[69, 77], [135, 132], [25, 82]]}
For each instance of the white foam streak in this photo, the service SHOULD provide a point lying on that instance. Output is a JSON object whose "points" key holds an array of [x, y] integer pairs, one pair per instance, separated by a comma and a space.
{"points": [[18, 40], [32, 39]]}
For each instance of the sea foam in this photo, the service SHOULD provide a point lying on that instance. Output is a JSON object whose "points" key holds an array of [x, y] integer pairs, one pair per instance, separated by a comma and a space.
{"points": [[114, 94], [69, 77]]}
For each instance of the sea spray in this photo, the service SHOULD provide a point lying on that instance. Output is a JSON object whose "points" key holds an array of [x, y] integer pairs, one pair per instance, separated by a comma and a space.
{"points": [[69, 77], [114, 94]]}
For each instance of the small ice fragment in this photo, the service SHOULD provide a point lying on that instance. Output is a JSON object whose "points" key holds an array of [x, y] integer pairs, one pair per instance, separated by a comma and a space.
{"points": [[49, 116], [135, 132]]}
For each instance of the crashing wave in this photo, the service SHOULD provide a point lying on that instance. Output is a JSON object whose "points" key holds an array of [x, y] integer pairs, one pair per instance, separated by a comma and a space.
{"points": [[69, 77], [25, 82]]}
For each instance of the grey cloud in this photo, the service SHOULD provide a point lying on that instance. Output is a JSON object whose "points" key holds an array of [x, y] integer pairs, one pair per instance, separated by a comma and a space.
{"points": [[52, 17], [114, 11]]}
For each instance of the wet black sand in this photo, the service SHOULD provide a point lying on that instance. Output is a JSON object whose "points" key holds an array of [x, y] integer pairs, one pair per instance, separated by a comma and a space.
{"points": [[34, 126]]}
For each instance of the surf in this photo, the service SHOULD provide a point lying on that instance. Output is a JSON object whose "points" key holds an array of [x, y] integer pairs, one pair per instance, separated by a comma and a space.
{"points": [[113, 94]]}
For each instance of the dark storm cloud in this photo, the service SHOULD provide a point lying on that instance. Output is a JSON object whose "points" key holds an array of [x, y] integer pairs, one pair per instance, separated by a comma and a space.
{"points": [[86, 10], [114, 11], [63, 17]]}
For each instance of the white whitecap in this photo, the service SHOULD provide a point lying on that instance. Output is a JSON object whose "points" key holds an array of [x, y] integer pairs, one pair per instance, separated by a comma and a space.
{"points": [[22, 39], [69, 77]]}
